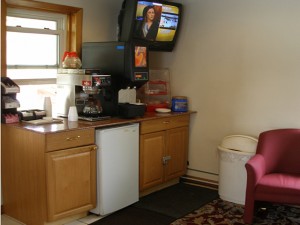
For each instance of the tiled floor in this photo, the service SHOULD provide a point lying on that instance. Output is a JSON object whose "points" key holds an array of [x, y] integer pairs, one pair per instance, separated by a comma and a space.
{"points": [[6, 220]]}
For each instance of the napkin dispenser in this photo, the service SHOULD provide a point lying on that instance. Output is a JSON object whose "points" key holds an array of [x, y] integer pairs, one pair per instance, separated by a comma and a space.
{"points": [[128, 110]]}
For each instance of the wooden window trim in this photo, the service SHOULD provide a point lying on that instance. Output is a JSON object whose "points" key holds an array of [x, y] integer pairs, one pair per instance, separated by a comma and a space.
{"points": [[74, 27]]}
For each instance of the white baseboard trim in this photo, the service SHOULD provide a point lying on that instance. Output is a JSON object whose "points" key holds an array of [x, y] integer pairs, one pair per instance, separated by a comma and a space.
{"points": [[200, 181], [203, 174]]}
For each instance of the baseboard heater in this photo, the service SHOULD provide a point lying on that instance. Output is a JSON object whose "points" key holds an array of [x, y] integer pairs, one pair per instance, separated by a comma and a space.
{"points": [[199, 181]]}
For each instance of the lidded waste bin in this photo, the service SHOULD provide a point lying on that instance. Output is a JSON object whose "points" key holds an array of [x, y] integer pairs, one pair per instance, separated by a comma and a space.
{"points": [[234, 152]]}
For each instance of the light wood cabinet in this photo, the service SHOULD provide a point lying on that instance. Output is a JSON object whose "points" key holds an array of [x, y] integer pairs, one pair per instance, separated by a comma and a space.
{"points": [[152, 151], [163, 150], [70, 178], [47, 176], [48, 172], [177, 149]]}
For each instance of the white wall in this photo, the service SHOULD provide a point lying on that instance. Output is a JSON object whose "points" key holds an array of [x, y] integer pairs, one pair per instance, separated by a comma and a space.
{"points": [[239, 64], [100, 18], [237, 61]]}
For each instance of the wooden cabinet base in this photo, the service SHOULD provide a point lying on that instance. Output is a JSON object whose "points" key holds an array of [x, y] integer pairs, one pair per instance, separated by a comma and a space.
{"points": [[35, 159], [159, 187], [41, 186], [163, 151], [67, 219]]}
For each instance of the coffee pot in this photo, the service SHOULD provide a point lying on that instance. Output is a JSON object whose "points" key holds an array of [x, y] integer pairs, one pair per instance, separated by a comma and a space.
{"points": [[92, 107]]}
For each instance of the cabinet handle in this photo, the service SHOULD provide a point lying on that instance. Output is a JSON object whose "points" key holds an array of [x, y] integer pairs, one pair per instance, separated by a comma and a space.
{"points": [[72, 138], [94, 148], [166, 159], [166, 122]]}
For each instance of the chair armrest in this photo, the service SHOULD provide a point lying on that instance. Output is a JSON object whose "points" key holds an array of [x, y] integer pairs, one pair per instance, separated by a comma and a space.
{"points": [[256, 168]]}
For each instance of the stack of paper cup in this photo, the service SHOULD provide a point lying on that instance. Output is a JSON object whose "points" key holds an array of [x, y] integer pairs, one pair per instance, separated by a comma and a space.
{"points": [[48, 106], [73, 115]]}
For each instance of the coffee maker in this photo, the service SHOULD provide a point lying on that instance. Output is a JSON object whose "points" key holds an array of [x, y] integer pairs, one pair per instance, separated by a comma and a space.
{"points": [[91, 94], [128, 64]]}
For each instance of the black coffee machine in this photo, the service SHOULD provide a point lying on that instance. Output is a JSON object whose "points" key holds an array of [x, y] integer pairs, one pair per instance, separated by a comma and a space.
{"points": [[126, 62], [92, 95]]}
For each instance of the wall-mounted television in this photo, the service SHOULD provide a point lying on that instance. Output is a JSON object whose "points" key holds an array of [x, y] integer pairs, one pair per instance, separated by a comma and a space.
{"points": [[152, 21]]}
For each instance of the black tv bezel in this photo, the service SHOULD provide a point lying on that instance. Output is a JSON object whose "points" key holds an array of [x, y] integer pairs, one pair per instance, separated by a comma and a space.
{"points": [[127, 23]]}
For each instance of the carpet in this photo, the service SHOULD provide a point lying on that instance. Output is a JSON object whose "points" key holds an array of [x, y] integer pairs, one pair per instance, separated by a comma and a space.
{"points": [[162, 207], [221, 212], [135, 216], [178, 200]]}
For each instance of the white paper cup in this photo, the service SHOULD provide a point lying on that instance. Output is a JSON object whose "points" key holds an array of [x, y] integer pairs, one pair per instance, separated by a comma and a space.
{"points": [[48, 118], [48, 106], [73, 115]]}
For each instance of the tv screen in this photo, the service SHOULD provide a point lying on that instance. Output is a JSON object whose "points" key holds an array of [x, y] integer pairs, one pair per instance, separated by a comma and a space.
{"points": [[140, 56], [155, 22]]}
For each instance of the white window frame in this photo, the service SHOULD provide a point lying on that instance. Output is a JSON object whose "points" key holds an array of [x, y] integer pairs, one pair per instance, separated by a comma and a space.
{"points": [[61, 31]]}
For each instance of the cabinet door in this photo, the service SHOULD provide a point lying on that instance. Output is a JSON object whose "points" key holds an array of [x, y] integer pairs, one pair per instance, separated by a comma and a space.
{"points": [[176, 150], [152, 148], [71, 181]]}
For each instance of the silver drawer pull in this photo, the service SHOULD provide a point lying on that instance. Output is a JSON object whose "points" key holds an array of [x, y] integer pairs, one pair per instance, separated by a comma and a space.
{"points": [[166, 159], [166, 122], [73, 138]]}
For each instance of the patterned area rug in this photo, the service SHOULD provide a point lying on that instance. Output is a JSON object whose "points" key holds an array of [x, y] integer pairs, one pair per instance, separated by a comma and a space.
{"points": [[221, 212]]}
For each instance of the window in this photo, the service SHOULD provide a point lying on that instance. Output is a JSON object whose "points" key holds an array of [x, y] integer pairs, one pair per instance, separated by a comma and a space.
{"points": [[34, 44], [44, 85], [40, 34]]}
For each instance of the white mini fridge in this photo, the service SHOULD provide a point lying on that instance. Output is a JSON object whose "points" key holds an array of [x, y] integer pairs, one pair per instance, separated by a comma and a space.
{"points": [[117, 168]]}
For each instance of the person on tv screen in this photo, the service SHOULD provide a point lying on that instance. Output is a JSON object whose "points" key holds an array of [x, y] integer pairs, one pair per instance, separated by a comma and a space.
{"points": [[148, 27]]}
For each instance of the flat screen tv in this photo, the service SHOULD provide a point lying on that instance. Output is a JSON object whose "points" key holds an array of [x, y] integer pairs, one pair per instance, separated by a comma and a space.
{"points": [[152, 21]]}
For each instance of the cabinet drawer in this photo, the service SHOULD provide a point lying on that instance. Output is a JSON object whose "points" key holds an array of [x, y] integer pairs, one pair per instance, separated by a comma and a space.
{"points": [[69, 139], [164, 123]]}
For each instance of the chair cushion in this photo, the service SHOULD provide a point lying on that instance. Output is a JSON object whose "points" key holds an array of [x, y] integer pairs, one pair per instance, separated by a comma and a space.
{"points": [[279, 183]]}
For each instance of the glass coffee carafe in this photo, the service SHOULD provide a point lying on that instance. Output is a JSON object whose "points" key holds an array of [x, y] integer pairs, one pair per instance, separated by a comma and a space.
{"points": [[92, 107]]}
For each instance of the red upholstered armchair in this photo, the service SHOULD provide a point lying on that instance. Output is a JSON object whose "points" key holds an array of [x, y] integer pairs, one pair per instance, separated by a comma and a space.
{"points": [[273, 173]]}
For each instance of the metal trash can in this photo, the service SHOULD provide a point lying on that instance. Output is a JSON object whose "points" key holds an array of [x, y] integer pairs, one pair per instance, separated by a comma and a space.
{"points": [[234, 152]]}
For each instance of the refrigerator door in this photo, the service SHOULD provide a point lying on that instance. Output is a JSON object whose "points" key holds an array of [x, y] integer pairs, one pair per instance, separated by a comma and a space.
{"points": [[117, 168]]}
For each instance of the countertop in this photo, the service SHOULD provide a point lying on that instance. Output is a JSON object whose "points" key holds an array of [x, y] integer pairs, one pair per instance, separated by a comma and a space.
{"points": [[81, 124]]}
